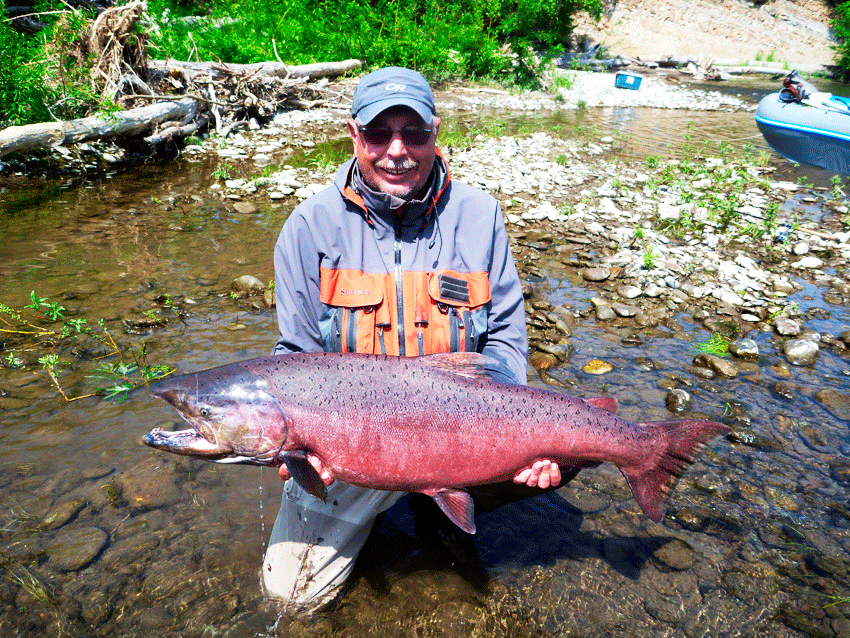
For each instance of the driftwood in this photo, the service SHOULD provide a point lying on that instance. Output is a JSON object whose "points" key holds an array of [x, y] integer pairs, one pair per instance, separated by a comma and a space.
{"points": [[219, 70], [135, 121], [212, 94]]}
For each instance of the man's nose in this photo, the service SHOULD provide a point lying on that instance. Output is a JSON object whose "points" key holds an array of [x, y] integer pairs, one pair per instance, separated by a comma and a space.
{"points": [[397, 146]]}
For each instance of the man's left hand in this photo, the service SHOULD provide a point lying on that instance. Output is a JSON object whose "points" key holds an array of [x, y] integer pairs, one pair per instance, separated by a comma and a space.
{"points": [[542, 474]]}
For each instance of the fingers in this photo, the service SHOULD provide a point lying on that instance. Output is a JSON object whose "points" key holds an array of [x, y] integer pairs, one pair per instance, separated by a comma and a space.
{"points": [[316, 462], [542, 474]]}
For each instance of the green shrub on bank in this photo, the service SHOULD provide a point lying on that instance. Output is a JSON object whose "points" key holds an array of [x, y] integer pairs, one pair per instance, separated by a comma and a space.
{"points": [[439, 37], [23, 95], [481, 39], [841, 29]]}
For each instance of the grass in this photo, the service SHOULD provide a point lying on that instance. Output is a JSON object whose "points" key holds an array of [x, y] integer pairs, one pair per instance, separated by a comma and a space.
{"points": [[717, 345]]}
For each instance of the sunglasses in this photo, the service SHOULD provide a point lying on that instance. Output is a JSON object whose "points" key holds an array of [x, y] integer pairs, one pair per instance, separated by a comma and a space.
{"points": [[379, 136]]}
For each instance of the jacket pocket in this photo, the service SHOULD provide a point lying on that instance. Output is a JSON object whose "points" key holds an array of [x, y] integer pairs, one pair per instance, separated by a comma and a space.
{"points": [[459, 304], [350, 300]]}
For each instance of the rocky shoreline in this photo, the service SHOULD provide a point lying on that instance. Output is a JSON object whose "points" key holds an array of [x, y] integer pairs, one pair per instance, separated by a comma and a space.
{"points": [[705, 236]]}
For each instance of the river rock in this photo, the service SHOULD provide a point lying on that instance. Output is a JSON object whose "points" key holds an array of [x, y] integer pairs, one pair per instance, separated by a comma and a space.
{"points": [[675, 555], [629, 292], [542, 361], [76, 549], [786, 327], [245, 207], [596, 366], [150, 483], [61, 514], [678, 400], [722, 367], [744, 349], [624, 310], [596, 274], [247, 286], [800, 352], [838, 403]]}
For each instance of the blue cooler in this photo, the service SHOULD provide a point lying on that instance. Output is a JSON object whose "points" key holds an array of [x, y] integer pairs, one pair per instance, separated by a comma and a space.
{"points": [[625, 80]]}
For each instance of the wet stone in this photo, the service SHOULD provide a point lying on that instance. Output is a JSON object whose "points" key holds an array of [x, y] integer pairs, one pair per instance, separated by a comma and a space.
{"points": [[838, 403], [678, 400], [542, 361], [76, 549], [624, 310], [151, 483], [605, 313], [786, 327], [800, 352], [675, 555], [61, 514], [744, 349], [596, 274], [719, 365], [247, 285], [783, 390], [596, 366]]}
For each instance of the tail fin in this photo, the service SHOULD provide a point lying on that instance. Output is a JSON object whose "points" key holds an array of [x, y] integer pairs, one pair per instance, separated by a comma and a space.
{"points": [[652, 480]]}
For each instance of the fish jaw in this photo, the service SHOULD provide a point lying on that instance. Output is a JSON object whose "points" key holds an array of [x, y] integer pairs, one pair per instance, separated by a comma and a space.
{"points": [[185, 442], [233, 418]]}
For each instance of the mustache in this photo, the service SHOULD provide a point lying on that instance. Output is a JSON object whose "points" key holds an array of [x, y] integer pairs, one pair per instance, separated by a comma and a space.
{"points": [[400, 166]]}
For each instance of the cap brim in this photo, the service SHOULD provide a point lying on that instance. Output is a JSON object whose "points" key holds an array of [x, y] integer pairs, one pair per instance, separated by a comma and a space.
{"points": [[370, 112]]}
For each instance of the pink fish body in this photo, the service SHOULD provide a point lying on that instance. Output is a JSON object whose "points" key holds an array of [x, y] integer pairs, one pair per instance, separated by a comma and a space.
{"points": [[434, 424]]}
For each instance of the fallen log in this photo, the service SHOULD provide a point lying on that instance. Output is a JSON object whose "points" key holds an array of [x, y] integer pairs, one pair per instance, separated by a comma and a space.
{"points": [[218, 70], [134, 121]]}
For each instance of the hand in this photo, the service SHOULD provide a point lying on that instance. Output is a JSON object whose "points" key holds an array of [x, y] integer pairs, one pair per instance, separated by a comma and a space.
{"points": [[542, 474], [316, 462]]}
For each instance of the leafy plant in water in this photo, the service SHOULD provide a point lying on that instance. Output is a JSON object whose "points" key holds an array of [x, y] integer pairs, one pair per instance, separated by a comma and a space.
{"points": [[34, 327], [717, 345]]}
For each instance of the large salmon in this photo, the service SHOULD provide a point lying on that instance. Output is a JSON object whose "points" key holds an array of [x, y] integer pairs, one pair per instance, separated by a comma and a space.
{"points": [[433, 424]]}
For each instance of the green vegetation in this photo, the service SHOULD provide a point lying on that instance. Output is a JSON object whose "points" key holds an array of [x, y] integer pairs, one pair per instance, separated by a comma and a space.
{"points": [[49, 75], [841, 29], [41, 333], [717, 345]]}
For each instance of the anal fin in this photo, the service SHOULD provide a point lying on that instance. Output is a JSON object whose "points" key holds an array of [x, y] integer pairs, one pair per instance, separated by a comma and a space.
{"points": [[457, 505]]}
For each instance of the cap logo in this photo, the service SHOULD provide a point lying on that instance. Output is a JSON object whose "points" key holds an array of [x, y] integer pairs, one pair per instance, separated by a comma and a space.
{"points": [[392, 87]]}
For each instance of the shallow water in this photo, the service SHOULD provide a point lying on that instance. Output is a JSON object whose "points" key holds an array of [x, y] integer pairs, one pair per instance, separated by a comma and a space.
{"points": [[755, 542]]}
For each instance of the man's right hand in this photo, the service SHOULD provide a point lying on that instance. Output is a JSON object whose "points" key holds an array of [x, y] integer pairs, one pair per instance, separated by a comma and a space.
{"points": [[316, 462]]}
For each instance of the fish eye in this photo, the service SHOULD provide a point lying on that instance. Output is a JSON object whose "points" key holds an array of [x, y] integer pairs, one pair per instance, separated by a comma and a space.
{"points": [[205, 412]]}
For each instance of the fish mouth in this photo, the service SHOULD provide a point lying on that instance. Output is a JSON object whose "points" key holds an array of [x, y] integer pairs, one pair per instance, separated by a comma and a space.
{"points": [[187, 442]]}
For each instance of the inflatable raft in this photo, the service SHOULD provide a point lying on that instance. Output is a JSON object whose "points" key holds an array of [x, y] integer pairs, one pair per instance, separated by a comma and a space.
{"points": [[813, 131]]}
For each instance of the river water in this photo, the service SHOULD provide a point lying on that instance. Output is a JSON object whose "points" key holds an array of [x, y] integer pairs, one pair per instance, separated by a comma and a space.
{"points": [[103, 536]]}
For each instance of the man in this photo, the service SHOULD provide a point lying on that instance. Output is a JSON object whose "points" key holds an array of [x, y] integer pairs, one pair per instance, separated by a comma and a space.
{"points": [[395, 258]]}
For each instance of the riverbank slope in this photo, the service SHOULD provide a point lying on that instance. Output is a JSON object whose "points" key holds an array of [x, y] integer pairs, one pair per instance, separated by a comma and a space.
{"points": [[784, 32]]}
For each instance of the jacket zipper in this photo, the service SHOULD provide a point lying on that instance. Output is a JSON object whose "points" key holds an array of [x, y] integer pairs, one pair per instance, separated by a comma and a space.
{"points": [[399, 289]]}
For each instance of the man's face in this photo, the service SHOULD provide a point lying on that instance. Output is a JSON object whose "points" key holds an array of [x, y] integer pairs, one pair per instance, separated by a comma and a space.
{"points": [[396, 167]]}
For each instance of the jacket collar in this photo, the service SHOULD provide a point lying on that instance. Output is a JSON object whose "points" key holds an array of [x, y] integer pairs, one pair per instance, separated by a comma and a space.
{"points": [[382, 205]]}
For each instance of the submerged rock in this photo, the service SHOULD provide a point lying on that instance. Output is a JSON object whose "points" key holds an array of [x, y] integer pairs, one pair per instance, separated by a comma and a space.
{"points": [[76, 549], [800, 352]]}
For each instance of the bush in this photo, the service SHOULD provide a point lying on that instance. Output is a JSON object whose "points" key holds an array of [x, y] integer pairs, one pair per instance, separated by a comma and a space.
{"points": [[45, 75], [841, 28], [23, 95]]}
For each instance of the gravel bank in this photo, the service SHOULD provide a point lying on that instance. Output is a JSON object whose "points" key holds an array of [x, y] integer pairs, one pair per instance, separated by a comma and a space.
{"points": [[652, 239]]}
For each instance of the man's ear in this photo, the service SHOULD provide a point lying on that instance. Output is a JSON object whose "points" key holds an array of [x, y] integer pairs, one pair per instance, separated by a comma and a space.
{"points": [[352, 130]]}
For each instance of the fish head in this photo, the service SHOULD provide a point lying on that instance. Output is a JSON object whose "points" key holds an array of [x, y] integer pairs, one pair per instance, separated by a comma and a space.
{"points": [[234, 418]]}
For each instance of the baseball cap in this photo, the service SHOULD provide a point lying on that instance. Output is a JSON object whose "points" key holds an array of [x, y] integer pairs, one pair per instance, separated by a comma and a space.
{"points": [[392, 86]]}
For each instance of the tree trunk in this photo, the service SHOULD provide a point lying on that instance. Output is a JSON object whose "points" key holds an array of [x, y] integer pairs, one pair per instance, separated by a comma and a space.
{"points": [[134, 121], [274, 69]]}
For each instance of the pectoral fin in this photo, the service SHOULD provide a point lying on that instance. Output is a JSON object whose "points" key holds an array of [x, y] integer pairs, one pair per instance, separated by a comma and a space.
{"points": [[305, 474], [457, 505]]}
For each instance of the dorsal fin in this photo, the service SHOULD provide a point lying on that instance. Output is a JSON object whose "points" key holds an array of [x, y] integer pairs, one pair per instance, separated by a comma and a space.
{"points": [[471, 365], [609, 404]]}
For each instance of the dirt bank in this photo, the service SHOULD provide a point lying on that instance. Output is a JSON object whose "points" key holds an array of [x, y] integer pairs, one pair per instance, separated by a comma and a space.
{"points": [[781, 31]]}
